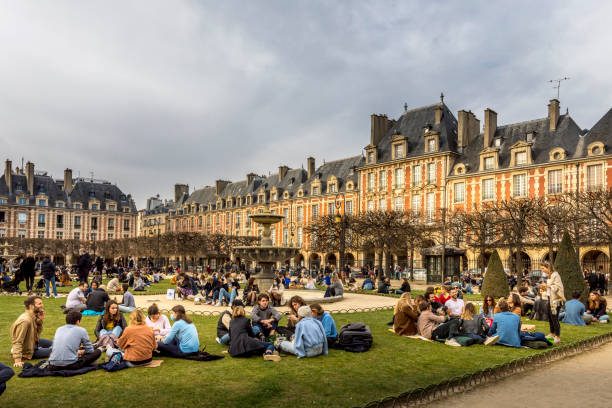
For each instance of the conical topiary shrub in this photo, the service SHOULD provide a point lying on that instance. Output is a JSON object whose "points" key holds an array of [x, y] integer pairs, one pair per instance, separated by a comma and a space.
{"points": [[496, 281], [567, 266]]}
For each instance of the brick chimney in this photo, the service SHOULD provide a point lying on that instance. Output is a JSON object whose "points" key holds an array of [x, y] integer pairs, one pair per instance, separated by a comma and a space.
{"points": [[68, 186], [179, 191], [311, 166], [30, 177], [220, 186], [468, 128], [250, 177], [490, 126], [380, 124], [282, 172], [8, 175], [438, 114], [553, 114]]}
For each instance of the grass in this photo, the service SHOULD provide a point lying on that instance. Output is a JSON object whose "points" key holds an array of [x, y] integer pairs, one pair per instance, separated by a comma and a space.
{"points": [[154, 289], [393, 365]]}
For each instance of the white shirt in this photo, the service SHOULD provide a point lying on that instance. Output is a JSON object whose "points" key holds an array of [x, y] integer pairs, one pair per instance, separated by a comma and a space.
{"points": [[74, 298], [455, 306]]}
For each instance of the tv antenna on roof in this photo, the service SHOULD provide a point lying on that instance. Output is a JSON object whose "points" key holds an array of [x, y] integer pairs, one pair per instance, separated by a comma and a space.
{"points": [[558, 83]]}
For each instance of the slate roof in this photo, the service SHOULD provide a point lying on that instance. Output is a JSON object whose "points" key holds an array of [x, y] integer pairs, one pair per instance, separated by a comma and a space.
{"points": [[162, 208], [82, 191], [601, 132]]}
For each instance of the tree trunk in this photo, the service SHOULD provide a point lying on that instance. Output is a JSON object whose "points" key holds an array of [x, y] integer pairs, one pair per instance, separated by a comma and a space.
{"points": [[412, 262]]}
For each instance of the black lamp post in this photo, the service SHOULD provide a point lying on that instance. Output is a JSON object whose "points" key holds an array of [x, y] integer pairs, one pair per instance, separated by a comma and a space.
{"points": [[341, 221]]}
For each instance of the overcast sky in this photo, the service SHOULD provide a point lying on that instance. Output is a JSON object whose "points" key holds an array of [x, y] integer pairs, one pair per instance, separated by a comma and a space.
{"points": [[150, 93]]}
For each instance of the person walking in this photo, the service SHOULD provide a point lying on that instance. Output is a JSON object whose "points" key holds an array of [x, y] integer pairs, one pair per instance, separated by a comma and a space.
{"points": [[48, 270], [84, 265], [28, 269]]}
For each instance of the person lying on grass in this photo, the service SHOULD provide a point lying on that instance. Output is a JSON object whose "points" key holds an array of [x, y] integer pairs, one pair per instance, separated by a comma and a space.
{"points": [[223, 332], [67, 353], [158, 322], [331, 332], [25, 333], [265, 317], [405, 316], [243, 342], [309, 339], [183, 337], [137, 342]]}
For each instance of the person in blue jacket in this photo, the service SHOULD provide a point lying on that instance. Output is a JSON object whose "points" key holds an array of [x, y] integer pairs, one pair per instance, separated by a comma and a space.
{"points": [[309, 339], [506, 327], [183, 337], [574, 311], [329, 325]]}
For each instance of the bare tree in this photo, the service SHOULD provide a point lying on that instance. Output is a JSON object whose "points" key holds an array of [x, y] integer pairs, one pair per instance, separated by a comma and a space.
{"points": [[597, 204], [514, 218], [551, 217], [481, 225]]}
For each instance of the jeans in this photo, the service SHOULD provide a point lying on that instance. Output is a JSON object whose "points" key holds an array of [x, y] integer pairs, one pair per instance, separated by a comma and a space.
{"points": [[117, 330], [42, 349], [6, 373], [260, 328], [601, 318], [225, 339], [126, 309], [171, 349], [52, 281], [225, 294], [287, 347]]}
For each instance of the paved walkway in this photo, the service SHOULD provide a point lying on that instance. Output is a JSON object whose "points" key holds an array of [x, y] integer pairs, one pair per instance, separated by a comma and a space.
{"points": [[350, 301], [582, 380]]}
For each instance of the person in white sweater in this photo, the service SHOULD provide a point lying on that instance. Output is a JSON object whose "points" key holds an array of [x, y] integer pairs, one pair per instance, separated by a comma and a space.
{"points": [[158, 322]]}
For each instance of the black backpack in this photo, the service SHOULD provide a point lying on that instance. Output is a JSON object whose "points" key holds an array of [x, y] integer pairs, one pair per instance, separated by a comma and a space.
{"points": [[355, 337]]}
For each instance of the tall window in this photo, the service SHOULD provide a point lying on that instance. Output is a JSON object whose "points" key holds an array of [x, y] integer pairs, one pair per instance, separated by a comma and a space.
{"points": [[285, 236], [431, 145], [415, 204], [398, 203], [488, 189], [382, 204], [331, 208], [111, 224], [238, 220], [399, 178], [300, 214], [594, 177], [348, 207], [59, 221], [431, 173], [300, 236], [382, 180], [228, 219], [77, 221], [370, 205], [248, 219], [315, 190], [94, 223], [370, 157], [430, 206], [286, 215], [521, 158], [555, 182], [416, 175], [370, 181], [459, 193], [315, 211], [332, 188], [41, 220], [126, 225], [519, 188]]}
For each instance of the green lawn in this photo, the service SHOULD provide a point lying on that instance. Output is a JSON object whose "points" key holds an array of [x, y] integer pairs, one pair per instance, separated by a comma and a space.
{"points": [[341, 379], [156, 288]]}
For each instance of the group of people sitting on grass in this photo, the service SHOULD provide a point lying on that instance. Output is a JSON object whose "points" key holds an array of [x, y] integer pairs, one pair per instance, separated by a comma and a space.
{"points": [[91, 300]]}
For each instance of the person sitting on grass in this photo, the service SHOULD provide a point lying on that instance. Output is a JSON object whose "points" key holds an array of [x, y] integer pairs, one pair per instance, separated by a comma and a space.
{"points": [[443, 296], [331, 332], [76, 298], [311, 284], [230, 294], [183, 337], [6, 373], [25, 333], [575, 312], [184, 286], [527, 302], [276, 292], [309, 339], [210, 290], [435, 305], [114, 285], [455, 306], [405, 316], [139, 283], [488, 307], [597, 308], [137, 342], [335, 288], [158, 322], [223, 325], [292, 317], [251, 290], [506, 327], [111, 322], [128, 304], [434, 326], [97, 298], [67, 353], [473, 325], [265, 317], [243, 342], [514, 304], [404, 288], [367, 284]]}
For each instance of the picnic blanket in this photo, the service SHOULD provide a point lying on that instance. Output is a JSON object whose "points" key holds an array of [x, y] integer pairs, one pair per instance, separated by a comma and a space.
{"points": [[36, 370]]}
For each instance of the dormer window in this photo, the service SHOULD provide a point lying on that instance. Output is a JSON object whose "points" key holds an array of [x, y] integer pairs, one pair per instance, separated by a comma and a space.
{"points": [[489, 163], [315, 190], [42, 203], [123, 198], [261, 198], [332, 188], [92, 194], [286, 195], [521, 158], [398, 151], [596, 149], [498, 142], [274, 197], [530, 136], [112, 207], [431, 142], [370, 157], [350, 185], [431, 145]]}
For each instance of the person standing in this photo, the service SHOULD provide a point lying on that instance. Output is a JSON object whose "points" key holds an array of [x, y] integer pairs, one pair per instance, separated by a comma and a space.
{"points": [[25, 333], [28, 269], [556, 297], [48, 269], [84, 265]]}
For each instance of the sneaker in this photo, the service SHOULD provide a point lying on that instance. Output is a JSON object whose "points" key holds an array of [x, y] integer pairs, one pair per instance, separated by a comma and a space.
{"points": [[491, 340], [557, 341], [218, 304], [218, 340], [272, 357], [603, 321], [452, 342]]}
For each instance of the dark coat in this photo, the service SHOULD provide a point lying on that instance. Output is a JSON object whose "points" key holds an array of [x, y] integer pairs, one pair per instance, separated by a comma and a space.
{"points": [[100, 326], [221, 329], [48, 269], [28, 266], [84, 264], [96, 300], [242, 341]]}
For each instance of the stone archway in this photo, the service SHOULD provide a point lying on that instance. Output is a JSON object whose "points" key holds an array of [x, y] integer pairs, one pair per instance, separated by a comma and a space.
{"points": [[349, 259], [299, 260], [525, 260], [596, 260], [314, 261], [330, 259]]}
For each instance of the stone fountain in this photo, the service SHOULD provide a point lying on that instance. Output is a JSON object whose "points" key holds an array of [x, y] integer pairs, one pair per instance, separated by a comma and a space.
{"points": [[266, 254]]}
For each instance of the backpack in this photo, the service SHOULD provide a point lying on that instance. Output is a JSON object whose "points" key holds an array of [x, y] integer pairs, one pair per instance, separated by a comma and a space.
{"points": [[355, 337]]}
